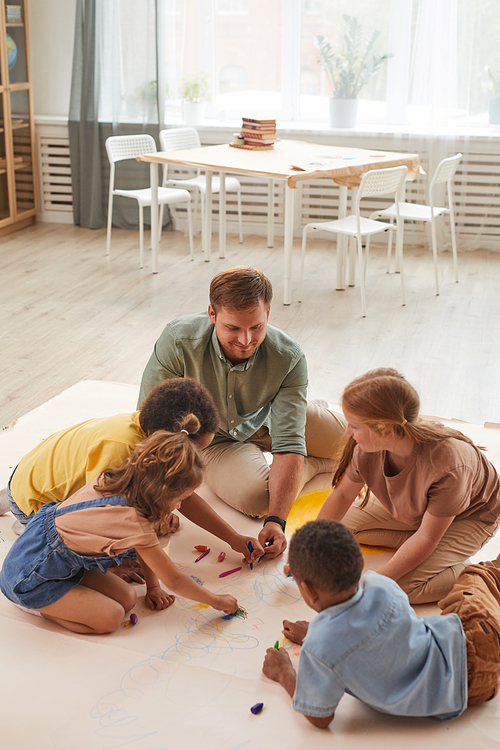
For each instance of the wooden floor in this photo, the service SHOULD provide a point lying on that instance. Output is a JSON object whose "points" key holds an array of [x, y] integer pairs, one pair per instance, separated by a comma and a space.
{"points": [[67, 313]]}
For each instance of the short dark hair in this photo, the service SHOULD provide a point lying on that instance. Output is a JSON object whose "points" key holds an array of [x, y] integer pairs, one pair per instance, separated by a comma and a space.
{"points": [[240, 288], [171, 400], [326, 555]]}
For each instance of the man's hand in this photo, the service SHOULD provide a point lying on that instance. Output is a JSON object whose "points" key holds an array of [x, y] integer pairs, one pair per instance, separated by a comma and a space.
{"points": [[295, 631], [240, 544], [129, 571], [273, 535], [278, 667], [157, 598]]}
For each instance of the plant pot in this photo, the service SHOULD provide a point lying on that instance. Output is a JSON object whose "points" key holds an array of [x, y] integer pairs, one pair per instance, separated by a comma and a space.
{"points": [[343, 113], [495, 111], [193, 112]]}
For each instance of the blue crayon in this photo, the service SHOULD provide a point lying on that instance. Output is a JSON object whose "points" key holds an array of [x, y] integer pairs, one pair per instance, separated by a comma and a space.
{"points": [[250, 548]]}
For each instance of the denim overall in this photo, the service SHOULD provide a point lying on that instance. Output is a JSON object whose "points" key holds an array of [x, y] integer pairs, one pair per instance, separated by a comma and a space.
{"points": [[39, 568]]}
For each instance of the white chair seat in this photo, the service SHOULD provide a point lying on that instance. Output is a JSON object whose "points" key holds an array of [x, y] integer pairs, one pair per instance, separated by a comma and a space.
{"points": [[121, 148], [165, 195], [413, 211], [348, 225], [200, 183], [374, 182], [174, 139], [444, 173]]}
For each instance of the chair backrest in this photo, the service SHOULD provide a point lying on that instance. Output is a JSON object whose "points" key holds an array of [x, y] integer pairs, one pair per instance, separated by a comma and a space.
{"points": [[120, 147], [446, 169], [381, 182], [174, 139]]}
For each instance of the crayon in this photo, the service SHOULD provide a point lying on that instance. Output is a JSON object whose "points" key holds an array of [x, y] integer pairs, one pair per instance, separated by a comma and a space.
{"points": [[228, 572], [250, 549], [203, 554]]}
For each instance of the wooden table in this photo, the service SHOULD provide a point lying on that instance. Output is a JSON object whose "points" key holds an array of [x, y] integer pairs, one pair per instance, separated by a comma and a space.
{"points": [[346, 169]]}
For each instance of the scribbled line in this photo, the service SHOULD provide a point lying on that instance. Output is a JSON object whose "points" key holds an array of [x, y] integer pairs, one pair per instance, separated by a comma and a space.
{"points": [[271, 583], [205, 633]]}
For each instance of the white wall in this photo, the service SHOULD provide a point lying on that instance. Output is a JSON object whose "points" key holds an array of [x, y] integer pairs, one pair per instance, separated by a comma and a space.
{"points": [[51, 28]]}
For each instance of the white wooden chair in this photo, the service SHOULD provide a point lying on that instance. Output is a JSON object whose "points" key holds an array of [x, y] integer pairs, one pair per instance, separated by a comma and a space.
{"points": [[121, 147], [445, 171], [373, 183], [175, 139]]}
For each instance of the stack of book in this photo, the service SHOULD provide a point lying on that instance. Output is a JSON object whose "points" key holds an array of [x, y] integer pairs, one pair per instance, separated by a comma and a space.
{"points": [[256, 135]]}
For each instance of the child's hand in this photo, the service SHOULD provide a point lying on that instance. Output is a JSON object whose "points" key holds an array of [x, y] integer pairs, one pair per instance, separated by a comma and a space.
{"points": [[157, 598], [226, 603], [295, 631], [276, 664], [241, 545]]}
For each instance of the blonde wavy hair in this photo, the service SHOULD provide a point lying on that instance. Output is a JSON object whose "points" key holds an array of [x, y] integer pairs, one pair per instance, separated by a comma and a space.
{"points": [[161, 468]]}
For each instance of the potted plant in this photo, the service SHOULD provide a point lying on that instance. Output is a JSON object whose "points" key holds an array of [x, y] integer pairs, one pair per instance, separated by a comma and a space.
{"points": [[348, 69], [495, 102], [195, 95]]}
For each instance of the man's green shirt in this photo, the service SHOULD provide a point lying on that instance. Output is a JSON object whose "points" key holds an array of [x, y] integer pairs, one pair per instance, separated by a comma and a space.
{"points": [[267, 389]]}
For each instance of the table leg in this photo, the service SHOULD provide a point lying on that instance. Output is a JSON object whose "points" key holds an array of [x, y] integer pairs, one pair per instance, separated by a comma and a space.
{"points": [[153, 178], [207, 239], [288, 245], [342, 244], [222, 216], [270, 213]]}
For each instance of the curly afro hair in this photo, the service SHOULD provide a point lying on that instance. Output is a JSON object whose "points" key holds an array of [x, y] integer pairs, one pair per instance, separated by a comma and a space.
{"points": [[171, 400]]}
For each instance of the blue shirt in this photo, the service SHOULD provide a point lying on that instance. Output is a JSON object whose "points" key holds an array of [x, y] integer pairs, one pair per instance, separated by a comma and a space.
{"points": [[374, 647]]}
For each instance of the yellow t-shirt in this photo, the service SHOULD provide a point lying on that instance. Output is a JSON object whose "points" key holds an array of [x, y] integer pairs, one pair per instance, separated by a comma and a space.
{"points": [[67, 460]]}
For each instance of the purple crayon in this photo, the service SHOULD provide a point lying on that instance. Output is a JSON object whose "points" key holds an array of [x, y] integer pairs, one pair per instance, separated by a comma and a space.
{"points": [[203, 554], [228, 572]]}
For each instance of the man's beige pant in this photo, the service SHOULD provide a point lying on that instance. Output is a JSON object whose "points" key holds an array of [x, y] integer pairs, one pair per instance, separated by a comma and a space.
{"points": [[238, 472], [436, 576]]}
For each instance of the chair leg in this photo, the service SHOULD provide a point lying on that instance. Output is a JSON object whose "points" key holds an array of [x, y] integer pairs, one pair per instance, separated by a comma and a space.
{"points": [[341, 261], [110, 222], [367, 254], [389, 248], [141, 236], [361, 277], [302, 258], [190, 230], [434, 249], [352, 261], [160, 222], [399, 257], [453, 233], [240, 217]]}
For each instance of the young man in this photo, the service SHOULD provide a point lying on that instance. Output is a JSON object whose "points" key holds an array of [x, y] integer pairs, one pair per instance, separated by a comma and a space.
{"points": [[257, 376], [367, 640]]}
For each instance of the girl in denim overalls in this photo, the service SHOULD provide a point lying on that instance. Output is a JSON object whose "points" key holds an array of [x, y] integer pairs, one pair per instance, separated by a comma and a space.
{"points": [[58, 566]]}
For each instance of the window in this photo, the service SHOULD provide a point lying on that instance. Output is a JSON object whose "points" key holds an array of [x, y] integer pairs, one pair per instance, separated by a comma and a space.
{"points": [[261, 60]]}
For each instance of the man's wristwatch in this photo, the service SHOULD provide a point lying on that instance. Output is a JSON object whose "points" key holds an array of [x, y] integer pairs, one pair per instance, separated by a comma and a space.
{"points": [[275, 519]]}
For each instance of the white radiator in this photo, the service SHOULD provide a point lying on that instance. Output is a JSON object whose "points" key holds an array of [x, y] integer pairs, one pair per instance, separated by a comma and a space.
{"points": [[54, 170]]}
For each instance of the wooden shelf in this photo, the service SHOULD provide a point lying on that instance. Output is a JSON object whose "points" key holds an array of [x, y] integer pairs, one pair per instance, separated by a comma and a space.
{"points": [[18, 140]]}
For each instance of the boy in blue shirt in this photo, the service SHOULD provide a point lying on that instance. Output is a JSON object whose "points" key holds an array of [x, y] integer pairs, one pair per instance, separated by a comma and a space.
{"points": [[367, 640]]}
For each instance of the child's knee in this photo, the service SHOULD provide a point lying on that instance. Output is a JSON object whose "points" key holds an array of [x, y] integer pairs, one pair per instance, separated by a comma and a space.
{"points": [[129, 599], [111, 618]]}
